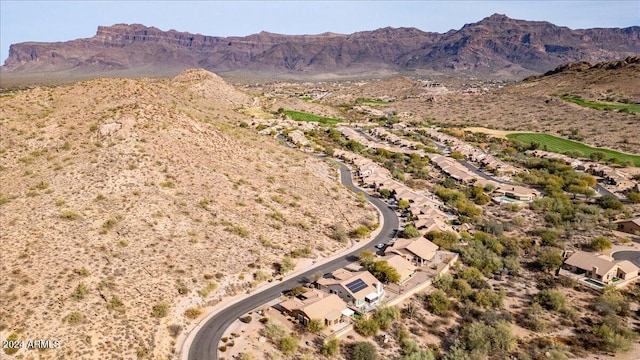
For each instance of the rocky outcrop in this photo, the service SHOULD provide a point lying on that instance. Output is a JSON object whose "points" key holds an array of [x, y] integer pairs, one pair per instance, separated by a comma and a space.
{"points": [[494, 45]]}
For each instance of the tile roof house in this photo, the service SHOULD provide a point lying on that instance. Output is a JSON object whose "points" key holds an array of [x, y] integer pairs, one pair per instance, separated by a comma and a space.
{"points": [[419, 250], [600, 267], [403, 266], [361, 288], [315, 305], [631, 226]]}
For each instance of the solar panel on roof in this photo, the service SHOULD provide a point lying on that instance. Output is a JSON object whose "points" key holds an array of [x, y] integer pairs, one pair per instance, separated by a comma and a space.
{"points": [[356, 285]]}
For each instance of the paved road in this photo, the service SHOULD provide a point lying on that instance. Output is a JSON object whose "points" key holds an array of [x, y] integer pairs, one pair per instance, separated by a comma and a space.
{"points": [[633, 256], [206, 341]]}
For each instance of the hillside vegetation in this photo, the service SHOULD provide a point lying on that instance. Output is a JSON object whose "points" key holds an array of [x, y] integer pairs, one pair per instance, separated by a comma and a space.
{"points": [[128, 206]]}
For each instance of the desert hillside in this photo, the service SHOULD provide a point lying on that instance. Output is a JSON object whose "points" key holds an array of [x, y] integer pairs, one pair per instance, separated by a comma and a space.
{"points": [[125, 203]]}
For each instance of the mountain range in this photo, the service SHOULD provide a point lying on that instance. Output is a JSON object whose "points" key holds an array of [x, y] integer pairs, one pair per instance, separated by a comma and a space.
{"points": [[496, 46]]}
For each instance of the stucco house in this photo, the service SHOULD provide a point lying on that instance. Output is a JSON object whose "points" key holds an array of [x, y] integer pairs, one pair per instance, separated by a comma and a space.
{"points": [[602, 268], [418, 250], [631, 226], [403, 266], [360, 289], [316, 305]]}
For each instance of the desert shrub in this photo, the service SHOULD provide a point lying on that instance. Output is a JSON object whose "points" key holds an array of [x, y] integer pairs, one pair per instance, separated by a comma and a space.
{"points": [[274, 331], [367, 327], [82, 272], [339, 233], [205, 291], [160, 310], [385, 315], [438, 303], [193, 313], [531, 318], [315, 326], [288, 345], [80, 291], [75, 318], [551, 299], [364, 350], [612, 302], [410, 232], [474, 277], [286, 265], [549, 259], [174, 330], [115, 303], [69, 215], [443, 239], [609, 202], [634, 197], [360, 232], [600, 243], [330, 347]]}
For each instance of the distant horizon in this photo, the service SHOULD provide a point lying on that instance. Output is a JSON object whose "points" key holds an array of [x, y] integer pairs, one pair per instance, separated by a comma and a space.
{"points": [[47, 21]]}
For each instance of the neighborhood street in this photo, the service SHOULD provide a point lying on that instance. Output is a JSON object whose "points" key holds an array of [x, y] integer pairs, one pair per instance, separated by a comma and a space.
{"points": [[207, 339]]}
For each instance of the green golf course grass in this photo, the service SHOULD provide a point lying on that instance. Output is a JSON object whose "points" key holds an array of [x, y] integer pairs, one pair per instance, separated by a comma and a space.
{"points": [[560, 145]]}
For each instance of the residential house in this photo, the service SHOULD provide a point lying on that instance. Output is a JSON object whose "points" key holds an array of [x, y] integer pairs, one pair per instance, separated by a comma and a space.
{"points": [[360, 289], [404, 267], [418, 250], [600, 267], [631, 226], [316, 305]]}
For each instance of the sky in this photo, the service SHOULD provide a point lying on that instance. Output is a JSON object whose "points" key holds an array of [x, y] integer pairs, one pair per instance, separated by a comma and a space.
{"points": [[48, 20]]}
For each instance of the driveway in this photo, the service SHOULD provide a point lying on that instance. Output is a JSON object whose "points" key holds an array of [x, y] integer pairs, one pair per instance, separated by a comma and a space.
{"points": [[631, 255]]}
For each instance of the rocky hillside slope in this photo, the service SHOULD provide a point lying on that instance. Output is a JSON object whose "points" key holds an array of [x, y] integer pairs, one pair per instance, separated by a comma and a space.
{"points": [[496, 46], [126, 202]]}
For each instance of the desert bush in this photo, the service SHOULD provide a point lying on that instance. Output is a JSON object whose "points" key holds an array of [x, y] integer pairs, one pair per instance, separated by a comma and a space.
{"points": [[82, 272], [246, 319], [315, 326], [205, 291], [80, 291], [386, 315], [410, 232], [367, 327], [193, 313], [274, 331], [330, 347], [288, 345], [438, 303], [160, 310], [339, 233], [75, 318], [360, 232], [69, 215], [364, 350], [115, 303], [600, 243], [551, 299]]}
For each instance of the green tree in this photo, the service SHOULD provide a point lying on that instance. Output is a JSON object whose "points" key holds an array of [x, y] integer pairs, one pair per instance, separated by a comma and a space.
{"points": [[366, 257], [403, 204], [364, 350], [385, 315], [384, 272], [410, 232]]}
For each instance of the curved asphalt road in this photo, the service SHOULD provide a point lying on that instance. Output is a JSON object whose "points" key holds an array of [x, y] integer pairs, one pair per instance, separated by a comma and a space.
{"points": [[631, 255], [206, 341]]}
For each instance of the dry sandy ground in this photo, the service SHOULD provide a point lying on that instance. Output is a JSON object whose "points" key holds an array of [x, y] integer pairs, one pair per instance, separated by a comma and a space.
{"points": [[119, 195]]}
